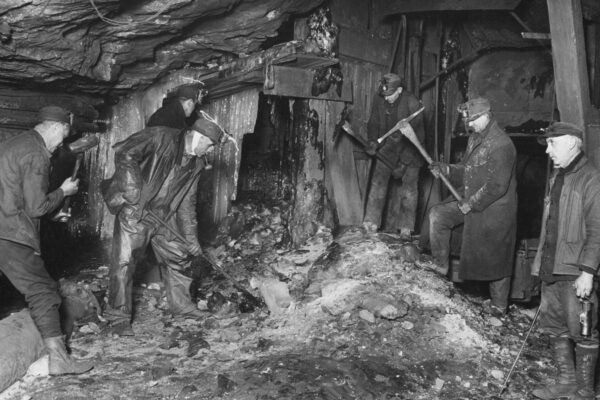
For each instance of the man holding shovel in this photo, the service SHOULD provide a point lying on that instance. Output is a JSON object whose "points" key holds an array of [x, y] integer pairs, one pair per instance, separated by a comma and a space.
{"points": [[157, 172], [487, 210]]}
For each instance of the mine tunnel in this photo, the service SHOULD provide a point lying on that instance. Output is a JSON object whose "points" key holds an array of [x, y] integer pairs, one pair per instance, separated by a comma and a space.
{"points": [[272, 199]]}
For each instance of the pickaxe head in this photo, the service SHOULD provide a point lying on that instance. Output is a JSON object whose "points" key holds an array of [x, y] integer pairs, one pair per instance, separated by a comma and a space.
{"points": [[83, 144]]}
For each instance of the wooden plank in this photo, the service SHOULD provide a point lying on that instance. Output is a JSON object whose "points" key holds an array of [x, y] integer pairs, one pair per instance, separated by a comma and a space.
{"points": [[340, 175], [384, 8], [24, 100], [570, 68], [294, 82], [362, 46]]}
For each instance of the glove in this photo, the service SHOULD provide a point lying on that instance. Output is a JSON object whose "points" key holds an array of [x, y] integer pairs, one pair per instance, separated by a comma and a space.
{"points": [[439, 168], [195, 249], [371, 148], [398, 172], [465, 208]]}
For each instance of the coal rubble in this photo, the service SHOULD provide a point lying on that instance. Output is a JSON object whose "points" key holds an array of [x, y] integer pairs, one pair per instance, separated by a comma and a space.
{"points": [[356, 316]]}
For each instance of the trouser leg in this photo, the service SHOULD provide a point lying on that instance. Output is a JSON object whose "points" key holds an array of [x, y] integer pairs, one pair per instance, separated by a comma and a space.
{"points": [[174, 259], [402, 202], [27, 273], [443, 218], [130, 239], [377, 195], [559, 317], [499, 291]]}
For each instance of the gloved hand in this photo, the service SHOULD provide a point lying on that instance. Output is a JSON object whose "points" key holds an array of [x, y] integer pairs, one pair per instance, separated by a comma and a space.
{"points": [[464, 207], [371, 148], [195, 249], [439, 168], [398, 172]]}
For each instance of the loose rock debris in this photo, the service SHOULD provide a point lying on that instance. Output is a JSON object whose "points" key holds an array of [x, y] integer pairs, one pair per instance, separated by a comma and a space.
{"points": [[350, 317]]}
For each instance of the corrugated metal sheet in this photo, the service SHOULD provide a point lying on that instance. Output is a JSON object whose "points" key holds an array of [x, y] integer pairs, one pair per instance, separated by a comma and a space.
{"points": [[237, 115]]}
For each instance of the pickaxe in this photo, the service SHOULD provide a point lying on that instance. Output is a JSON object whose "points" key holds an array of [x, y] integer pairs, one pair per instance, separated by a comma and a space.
{"points": [[408, 131], [213, 263], [77, 147], [400, 124], [348, 129]]}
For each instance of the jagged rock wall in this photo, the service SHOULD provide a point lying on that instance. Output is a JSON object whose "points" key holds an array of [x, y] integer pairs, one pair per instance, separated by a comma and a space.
{"points": [[108, 45]]}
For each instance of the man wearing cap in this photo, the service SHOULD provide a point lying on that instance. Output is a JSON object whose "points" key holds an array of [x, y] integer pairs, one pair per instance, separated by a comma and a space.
{"points": [[24, 174], [567, 260], [156, 169], [392, 104], [488, 210], [177, 106]]}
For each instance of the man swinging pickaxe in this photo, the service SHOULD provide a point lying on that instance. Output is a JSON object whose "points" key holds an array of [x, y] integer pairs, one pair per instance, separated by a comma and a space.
{"points": [[372, 148]]}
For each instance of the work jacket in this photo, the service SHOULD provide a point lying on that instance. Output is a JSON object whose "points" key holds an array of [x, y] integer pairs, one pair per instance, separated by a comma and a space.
{"points": [[487, 177], [24, 174], [384, 116], [152, 173], [578, 236]]}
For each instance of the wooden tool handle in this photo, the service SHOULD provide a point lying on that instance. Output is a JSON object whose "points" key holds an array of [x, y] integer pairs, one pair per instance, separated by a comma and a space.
{"points": [[410, 135]]}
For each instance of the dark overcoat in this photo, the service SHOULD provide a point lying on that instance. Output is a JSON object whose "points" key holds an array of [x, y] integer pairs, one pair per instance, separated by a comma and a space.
{"points": [[487, 173]]}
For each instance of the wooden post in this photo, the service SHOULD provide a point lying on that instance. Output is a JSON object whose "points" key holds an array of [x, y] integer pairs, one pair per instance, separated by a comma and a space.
{"points": [[570, 69]]}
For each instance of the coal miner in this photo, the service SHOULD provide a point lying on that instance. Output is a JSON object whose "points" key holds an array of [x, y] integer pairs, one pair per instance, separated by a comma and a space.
{"points": [[24, 176], [156, 169], [392, 104], [488, 210], [567, 261], [178, 105]]}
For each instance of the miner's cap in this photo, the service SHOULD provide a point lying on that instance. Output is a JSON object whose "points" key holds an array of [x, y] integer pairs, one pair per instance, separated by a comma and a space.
{"points": [[187, 91], [474, 108], [557, 129], [389, 83], [54, 113], [208, 129]]}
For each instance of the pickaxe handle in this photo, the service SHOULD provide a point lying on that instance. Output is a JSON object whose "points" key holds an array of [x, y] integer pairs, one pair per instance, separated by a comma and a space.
{"points": [[410, 135], [348, 129], [212, 262], [399, 124]]}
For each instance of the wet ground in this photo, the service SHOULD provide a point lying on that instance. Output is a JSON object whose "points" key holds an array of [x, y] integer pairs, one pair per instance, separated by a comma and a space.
{"points": [[364, 320]]}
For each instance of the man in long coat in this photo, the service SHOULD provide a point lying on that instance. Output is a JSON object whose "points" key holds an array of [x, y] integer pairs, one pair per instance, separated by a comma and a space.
{"points": [[488, 209], [157, 170]]}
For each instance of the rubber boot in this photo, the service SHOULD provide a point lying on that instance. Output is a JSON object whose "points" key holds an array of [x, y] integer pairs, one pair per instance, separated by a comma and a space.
{"points": [[565, 382], [60, 362], [586, 369]]}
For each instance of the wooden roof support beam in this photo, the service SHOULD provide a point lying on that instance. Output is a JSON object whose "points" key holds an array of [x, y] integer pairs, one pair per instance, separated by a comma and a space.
{"points": [[570, 68], [384, 8]]}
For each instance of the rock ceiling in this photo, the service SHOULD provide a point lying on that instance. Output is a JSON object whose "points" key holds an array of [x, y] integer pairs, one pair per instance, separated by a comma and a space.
{"points": [[100, 46]]}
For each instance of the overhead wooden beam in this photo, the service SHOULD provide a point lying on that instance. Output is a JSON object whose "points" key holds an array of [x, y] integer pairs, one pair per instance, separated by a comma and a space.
{"points": [[384, 8], [570, 68]]}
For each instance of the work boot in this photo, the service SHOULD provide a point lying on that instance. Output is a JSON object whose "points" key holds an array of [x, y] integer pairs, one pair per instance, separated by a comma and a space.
{"points": [[586, 367], [565, 382], [60, 362]]}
